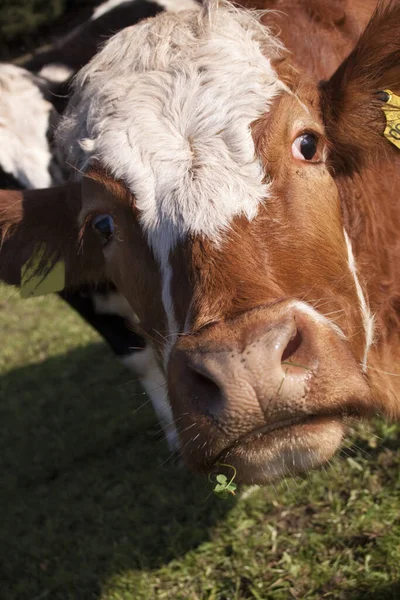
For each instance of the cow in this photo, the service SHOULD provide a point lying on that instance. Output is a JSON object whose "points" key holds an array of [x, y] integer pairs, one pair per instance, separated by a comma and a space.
{"points": [[242, 198]]}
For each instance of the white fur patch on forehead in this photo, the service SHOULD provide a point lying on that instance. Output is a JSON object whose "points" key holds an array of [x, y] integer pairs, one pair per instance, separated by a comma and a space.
{"points": [[167, 107]]}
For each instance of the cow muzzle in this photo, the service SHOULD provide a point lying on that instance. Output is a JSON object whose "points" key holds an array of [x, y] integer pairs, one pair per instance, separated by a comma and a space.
{"points": [[268, 392]]}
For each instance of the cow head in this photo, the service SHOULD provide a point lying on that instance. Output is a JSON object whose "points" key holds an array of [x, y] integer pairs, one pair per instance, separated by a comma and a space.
{"points": [[209, 196]]}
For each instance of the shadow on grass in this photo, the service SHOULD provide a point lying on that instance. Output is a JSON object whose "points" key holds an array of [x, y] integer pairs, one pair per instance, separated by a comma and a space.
{"points": [[386, 592], [88, 491]]}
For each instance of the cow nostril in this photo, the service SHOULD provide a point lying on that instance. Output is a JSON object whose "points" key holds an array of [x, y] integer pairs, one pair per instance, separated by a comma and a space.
{"points": [[292, 347], [209, 392], [205, 382]]}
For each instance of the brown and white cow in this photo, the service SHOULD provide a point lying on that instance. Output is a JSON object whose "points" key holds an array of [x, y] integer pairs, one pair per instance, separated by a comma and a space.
{"points": [[249, 214]]}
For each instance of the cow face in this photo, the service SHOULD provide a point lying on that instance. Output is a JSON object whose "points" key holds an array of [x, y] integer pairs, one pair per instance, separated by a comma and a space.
{"points": [[208, 190], [264, 330]]}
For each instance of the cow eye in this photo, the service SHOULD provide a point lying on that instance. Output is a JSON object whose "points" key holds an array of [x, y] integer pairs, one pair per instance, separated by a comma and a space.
{"points": [[305, 147], [104, 225]]}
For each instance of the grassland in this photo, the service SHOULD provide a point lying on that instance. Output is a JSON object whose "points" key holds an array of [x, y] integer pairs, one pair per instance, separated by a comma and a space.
{"points": [[93, 509]]}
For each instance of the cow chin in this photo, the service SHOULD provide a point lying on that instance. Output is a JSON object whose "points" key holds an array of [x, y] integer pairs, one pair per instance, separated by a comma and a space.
{"points": [[265, 454], [269, 393], [289, 450]]}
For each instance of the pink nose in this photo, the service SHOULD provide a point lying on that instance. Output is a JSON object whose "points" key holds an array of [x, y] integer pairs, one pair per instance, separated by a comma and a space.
{"points": [[267, 368], [265, 391]]}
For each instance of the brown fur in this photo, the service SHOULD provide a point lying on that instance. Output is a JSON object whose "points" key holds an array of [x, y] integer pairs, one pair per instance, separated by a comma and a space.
{"points": [[117, 189], [366, 167], [317, 33], [262, 262]]}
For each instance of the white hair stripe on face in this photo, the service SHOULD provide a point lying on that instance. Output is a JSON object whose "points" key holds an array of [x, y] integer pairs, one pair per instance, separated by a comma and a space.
{"points": [[367, 317], [317, 316], [166, 274]]}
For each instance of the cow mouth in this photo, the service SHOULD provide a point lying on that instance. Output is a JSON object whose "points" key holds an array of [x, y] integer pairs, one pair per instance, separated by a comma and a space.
{"points": [[259, 432], [286, 447]]}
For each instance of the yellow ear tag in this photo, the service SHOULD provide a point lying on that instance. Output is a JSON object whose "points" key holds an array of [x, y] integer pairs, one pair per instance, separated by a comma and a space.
{"points": [[392, 114], [40, 285]]}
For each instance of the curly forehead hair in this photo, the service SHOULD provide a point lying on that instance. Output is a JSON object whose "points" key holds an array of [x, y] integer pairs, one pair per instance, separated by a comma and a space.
{"points": [[167, 106]]}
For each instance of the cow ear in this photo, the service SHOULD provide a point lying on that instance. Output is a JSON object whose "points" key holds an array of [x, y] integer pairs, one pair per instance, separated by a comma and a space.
{"points": [[40, 229], [352, 101]]}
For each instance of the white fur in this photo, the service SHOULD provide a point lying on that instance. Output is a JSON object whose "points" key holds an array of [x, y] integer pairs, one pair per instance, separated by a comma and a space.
{"points": [[317, 316], [367, 317], [105, 7], [56, 72], [170, 5], [145, 366], [113, 303], [177, 5], [167, 106], [169, 308], [24, 121]]}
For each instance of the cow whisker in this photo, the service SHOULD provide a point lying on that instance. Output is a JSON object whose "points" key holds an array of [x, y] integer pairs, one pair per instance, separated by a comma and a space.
{"points": [[141, 406], [146, 393]]}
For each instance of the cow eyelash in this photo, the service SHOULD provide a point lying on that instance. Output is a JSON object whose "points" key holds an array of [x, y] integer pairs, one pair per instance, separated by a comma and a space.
{"points": [[103, 224]]}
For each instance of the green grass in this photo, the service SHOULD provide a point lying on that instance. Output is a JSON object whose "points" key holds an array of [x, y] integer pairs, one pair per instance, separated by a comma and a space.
{"points": [[91, 508]]}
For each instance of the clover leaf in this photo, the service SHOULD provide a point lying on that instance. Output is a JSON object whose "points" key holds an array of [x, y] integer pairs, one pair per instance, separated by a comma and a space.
{"points": [[222, 487]]}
